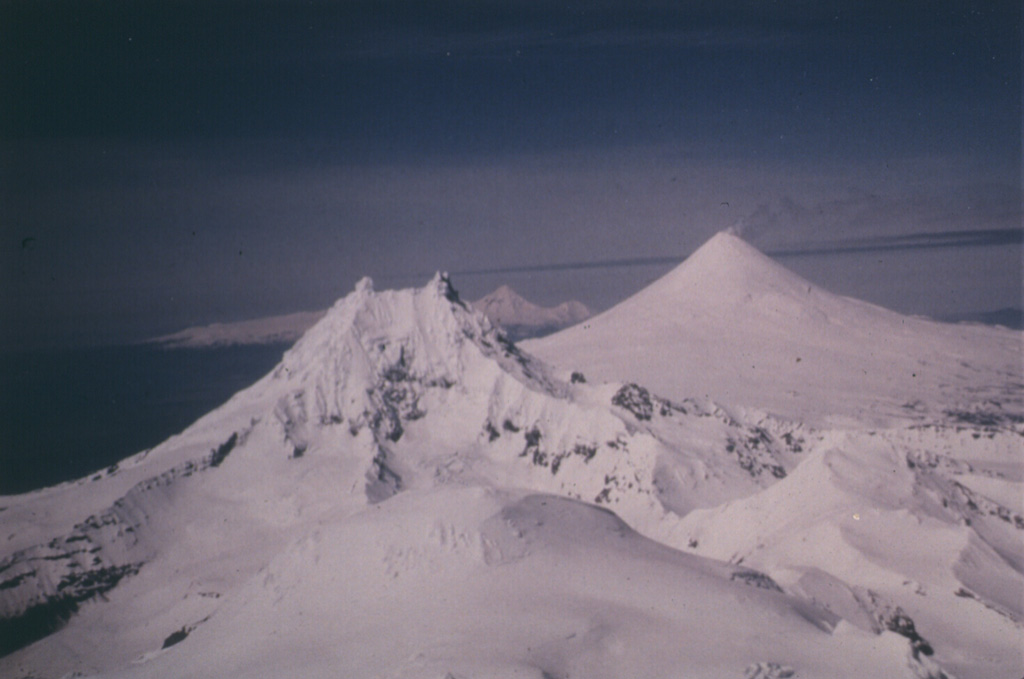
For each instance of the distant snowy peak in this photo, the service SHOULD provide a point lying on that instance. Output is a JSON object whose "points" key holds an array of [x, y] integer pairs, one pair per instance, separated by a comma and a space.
{"points": [[270, 330], [522, 318]]}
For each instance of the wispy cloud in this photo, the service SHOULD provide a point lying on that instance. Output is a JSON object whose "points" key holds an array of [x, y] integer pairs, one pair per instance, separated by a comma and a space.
{"points": [[916, 241], [863, 215]]}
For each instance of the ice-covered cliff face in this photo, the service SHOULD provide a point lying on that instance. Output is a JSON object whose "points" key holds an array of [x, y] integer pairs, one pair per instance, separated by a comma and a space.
{"points": [[410, 494]]}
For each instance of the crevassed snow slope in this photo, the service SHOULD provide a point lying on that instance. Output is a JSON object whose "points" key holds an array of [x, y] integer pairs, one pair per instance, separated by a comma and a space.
{"points": [[732, 325], [409, 494]]}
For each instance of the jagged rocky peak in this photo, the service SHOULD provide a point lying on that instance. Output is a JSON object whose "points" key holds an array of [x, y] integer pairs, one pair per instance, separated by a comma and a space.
{"points": [[423, 336], [444, 286]]}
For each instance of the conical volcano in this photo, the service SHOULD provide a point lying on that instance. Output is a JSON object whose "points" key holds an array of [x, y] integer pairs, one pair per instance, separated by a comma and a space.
{"points": [[731, 324]]}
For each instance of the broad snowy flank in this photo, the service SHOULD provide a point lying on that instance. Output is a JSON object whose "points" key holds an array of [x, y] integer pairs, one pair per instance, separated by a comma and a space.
{"points": [[410, 494]]}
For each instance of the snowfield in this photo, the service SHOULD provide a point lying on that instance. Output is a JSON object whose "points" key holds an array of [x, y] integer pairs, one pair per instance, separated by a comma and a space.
{"points": [[732, 474]]}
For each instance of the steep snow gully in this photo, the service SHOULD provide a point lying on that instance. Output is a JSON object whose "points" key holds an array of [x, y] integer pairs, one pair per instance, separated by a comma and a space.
{"points": [[411, 494]]}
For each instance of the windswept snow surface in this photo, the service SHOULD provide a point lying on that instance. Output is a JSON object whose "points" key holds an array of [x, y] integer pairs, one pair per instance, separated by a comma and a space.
{"points": [[521, 318], [409, 494]]}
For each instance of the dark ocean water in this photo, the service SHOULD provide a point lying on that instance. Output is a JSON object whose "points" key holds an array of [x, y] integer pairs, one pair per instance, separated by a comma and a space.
{"points": [[65, 414]]}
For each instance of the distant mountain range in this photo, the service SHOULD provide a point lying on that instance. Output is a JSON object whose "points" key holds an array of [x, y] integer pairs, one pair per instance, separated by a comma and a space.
{"points": [[519, 318]]}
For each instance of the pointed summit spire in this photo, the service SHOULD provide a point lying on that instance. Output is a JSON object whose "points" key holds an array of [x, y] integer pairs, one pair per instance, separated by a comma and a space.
{"points": [[443, 283]]}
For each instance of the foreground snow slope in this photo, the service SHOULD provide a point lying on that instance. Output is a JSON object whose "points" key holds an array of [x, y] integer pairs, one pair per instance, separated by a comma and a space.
{"points": [[471, 582], [731, 324], [408, 494]]}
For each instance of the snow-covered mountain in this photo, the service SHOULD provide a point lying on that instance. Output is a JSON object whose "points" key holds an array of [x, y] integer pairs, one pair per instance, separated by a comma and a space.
{"points": [[410, 494], [733, 325], [269, 330], [520, 318]]}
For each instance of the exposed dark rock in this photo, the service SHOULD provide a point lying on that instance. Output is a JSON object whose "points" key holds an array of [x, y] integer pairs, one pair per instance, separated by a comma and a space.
{"points": [[753, 459], [382, 482], [34, 624], [585, 451], [176, 637], [753, 578], [899, 622], [635, 399], [16, 580], [795, 443], [51, 613], [218, 455], [449, 291], [989, 417], [768, 670], [492, 432], [532, 448]]}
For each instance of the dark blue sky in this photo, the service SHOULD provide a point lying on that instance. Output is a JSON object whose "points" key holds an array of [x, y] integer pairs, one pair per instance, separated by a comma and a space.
{"points": [[170, 163]]}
